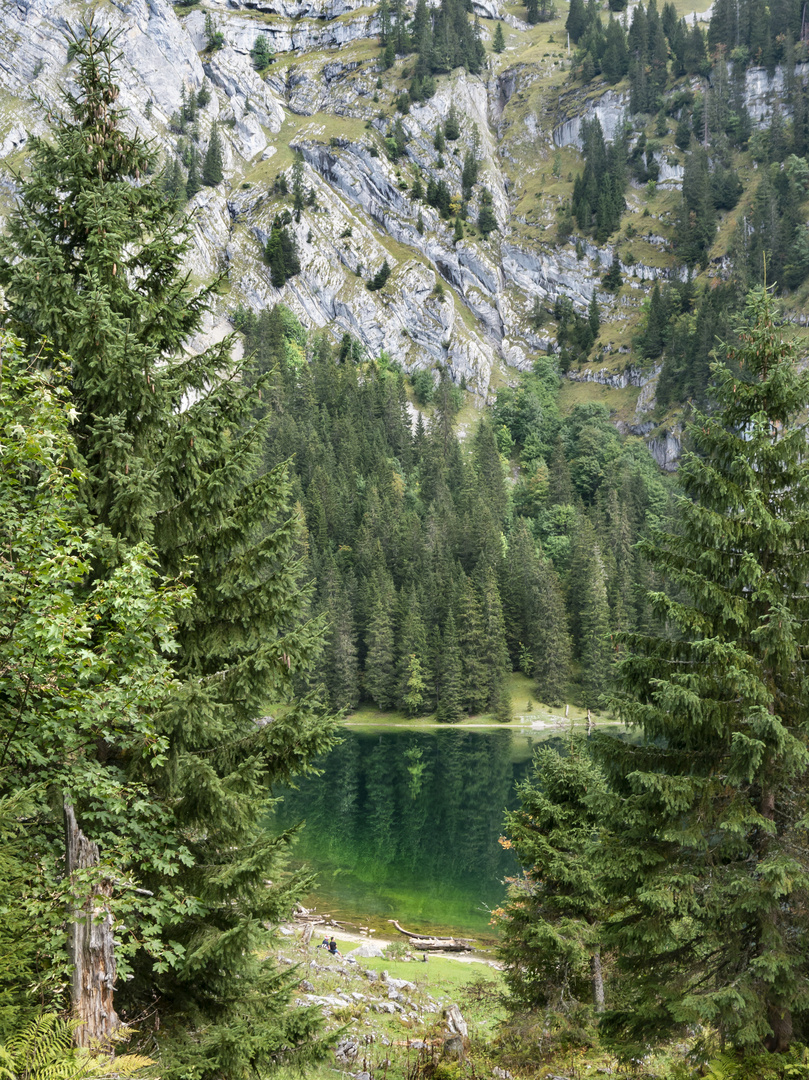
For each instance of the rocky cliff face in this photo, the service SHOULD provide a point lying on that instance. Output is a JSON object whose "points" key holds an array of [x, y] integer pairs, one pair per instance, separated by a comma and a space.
{"points": [[462, 303]]}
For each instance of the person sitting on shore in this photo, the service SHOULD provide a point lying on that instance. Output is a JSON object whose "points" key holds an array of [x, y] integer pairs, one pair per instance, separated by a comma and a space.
{"points": [[332, 946]]}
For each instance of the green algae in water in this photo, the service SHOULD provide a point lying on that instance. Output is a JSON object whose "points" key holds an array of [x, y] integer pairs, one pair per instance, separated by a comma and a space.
{"points": [[404, 824]]}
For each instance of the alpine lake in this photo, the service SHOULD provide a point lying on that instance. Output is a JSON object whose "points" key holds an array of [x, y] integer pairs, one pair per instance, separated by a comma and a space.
{"points": [[404, 822]]}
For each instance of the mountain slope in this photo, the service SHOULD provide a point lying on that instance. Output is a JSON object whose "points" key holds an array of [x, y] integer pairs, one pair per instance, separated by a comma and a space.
{"points": [[480, 305]]}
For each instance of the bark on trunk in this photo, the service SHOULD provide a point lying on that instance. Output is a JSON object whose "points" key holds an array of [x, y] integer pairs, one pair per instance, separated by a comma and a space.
{"points": [[779, 1016], [780, 1020], [90, 942], [598, 981]]}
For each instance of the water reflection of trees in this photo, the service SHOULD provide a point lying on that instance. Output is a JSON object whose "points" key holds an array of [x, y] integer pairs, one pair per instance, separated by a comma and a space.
{"points": [[425, 808]]}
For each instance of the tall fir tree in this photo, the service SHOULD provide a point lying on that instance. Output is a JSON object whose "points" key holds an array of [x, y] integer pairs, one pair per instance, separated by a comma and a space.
{"points": [[595, 645], [380, 662], [212, 166], [194, 181], [473, 648], [80, 664], [553, 921], [496, 659], [413, 670], [340, 657], [169, 454], [449, 676], [708, 871]]}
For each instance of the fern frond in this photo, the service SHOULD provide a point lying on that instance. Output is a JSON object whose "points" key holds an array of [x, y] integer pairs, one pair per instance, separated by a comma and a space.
{"points": [[44, 1051], [722, 1067]]}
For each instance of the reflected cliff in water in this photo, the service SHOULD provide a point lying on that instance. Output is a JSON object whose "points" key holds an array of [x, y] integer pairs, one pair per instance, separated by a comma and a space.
{"points": [[405, 824]]}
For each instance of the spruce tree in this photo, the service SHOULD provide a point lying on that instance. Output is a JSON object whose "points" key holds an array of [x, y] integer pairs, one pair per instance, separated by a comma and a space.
{"points": [[499, 42], [552, 922], [92, 260], [194, 181], [342, 668], [174, 181], [297, 185], [452, 125], [473, 648], [496, 664], [576, 21], [469, 175], [413, 672], [551, 641], [612, 280], [261, 53], [380, 663], [708, 870], [487, 222], [449, 676], [212, 173], [594, 643], [594, 316]]}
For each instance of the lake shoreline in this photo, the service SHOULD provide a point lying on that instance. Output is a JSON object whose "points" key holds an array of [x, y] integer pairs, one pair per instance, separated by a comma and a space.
{"points": [[383, 940]]}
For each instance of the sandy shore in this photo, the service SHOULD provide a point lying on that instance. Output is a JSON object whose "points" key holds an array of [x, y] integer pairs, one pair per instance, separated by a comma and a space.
{"points": [[386, 939]]}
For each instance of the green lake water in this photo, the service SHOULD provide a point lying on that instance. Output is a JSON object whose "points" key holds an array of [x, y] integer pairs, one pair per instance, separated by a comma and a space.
{"points": [[404, 824]]}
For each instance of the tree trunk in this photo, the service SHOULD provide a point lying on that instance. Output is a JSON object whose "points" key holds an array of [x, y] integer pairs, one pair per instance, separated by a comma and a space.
{"points": [[780, 1020], [597, 980], [90, 942], [779, 1015]]}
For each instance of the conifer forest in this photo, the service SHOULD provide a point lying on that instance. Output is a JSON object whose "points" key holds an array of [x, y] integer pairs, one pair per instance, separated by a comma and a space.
{"points": [[404, 518]]}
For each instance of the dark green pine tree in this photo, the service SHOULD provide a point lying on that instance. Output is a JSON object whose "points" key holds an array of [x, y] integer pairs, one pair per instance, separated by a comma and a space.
{"points": [[594, 316], [472, 644], [174, 182], [550, 642], [487, 222], [612, 280], [560, 484], [469, 175], [708, 868], [297, 185], [489, 470], [452, 125], [552, 922], [595, 647], [380, 661], [194, 181], [414, 678], [653, 339], [576, 22], [274, 254], [496, 659], [212, 173], [449, 676], [91, 260], [341, 666], [499, 41]]}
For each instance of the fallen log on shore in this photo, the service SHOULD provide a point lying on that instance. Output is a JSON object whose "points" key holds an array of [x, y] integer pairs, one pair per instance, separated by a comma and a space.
{"points": [[433, 944], [439, 945]]}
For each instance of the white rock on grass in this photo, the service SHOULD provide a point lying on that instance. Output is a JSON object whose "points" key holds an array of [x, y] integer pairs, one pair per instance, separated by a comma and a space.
{"points": [[367, 949]]}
